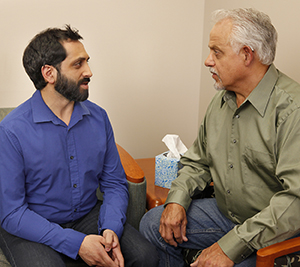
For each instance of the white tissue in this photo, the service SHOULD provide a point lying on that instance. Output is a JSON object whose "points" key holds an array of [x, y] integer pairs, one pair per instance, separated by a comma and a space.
{"points": [[175, 146]]}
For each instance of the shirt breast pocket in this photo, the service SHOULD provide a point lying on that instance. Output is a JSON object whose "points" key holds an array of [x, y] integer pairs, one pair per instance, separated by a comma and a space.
{"points": [[258, 169]]}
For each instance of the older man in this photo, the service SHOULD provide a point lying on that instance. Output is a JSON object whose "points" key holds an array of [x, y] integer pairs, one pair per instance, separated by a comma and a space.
{"points": [[247, 145]]}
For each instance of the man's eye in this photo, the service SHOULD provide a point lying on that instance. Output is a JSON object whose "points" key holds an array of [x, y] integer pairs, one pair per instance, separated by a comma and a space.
{"points": [[217, 53], [77, 64]]}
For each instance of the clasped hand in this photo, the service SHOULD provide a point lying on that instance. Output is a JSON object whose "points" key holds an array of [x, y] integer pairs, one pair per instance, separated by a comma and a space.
{"points": [[102, 251], [173, 230]]}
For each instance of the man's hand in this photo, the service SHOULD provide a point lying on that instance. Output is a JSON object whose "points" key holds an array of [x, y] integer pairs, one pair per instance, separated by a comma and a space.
{"points": [[173, 224], [112, 247], [213, 257], [94, 250]]}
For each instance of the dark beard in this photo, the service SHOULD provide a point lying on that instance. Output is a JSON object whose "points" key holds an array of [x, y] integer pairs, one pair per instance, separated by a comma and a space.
{"points": [[69, 89]]}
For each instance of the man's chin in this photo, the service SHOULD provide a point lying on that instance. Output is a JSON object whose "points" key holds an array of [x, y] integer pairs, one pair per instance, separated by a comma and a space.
{"points": [[79, 97], [84, 96], [219, 87]]}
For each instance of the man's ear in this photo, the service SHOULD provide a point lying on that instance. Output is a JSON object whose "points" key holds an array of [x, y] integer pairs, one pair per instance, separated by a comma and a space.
{"points": [[49, 73], [248, 54]]}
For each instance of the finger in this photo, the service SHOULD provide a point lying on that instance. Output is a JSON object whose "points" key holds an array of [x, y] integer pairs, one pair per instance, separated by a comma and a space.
{"points": [[115, 259], [107, 262], [167, 234], [161, 230], [104, 259], [114, 245], [109, 238], [195, 263], [183, 233], [178, 234], [169, 237], [101, 240], [118, 256]]}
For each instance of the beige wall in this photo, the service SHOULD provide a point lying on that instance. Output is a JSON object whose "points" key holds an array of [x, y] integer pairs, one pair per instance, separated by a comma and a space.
{"points": [[146, 55], [145, 58]]}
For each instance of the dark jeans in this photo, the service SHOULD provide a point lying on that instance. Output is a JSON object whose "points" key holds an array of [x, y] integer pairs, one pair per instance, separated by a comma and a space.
{"points": [[137, 251], [206, 225]]}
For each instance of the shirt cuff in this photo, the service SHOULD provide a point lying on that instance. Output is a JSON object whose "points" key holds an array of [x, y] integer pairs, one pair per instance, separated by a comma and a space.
{"points": [[235, 248], [179, 197], [72, 244]]}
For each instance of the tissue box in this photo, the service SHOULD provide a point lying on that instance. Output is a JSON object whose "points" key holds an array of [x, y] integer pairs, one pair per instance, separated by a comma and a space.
{"points": [[166, 170]]}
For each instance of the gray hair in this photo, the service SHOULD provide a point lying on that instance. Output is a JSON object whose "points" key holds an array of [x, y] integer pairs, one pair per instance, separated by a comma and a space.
{"points": [[252, 28]]}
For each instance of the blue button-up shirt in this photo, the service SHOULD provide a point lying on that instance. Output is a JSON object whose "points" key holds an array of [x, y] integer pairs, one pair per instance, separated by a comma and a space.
{"points": [[49, 173]]}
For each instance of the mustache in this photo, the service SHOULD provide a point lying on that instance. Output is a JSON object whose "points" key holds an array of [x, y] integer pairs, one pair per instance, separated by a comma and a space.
{"points": [[212, 70], [84, 80]]}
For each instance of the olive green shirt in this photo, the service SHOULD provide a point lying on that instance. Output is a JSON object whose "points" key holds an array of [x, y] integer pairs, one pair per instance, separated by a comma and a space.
{"points": [[252, 154]]}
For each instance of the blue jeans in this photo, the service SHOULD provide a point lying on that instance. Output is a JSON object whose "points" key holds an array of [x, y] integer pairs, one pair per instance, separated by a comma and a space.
{"points": [[137, 251], [206, 225]]}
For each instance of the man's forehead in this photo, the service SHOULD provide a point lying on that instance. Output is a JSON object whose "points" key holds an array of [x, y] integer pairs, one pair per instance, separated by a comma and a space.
{"points": [[220, 33], [74, 49]]}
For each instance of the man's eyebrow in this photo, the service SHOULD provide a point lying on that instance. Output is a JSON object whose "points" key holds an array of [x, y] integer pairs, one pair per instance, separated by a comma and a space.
{"points": [[84, 58], [79, 59], [214, 47]]}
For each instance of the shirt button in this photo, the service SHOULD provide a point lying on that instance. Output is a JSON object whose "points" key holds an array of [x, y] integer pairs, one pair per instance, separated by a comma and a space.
{"points": [[232, 215], [228, 191], [234, 141], [237, 116], [75, 185], [230, 166], [72, 157]]}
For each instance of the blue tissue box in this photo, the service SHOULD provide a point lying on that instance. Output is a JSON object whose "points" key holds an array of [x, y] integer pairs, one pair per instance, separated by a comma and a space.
{"points": [[166, 170]]}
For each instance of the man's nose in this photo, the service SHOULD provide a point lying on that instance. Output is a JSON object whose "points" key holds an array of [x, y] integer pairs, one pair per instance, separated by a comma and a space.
{"points": [[87, 72], [209, 61]]}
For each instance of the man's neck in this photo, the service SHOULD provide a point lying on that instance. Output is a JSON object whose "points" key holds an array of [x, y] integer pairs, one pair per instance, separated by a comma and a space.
{"points": [[59, 105], [253, 78]]}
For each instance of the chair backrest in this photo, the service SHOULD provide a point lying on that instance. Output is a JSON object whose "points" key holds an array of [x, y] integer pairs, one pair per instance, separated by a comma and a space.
{"points": [[4, 112]]}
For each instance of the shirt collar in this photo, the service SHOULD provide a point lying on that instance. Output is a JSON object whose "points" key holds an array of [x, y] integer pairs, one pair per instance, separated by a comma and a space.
{"points": [[42, 113], [260, 96]]}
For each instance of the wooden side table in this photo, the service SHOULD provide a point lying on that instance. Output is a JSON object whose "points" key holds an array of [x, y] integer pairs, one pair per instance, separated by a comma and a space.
{"points": [[156, 195]]}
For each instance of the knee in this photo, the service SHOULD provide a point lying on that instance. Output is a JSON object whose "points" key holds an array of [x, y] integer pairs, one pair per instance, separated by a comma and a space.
{"points": [[144, 223], [149, 224]]}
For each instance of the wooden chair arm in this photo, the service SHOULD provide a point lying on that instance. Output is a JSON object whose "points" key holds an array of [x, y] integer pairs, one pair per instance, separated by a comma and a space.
{"points": [[153, 202], [266, 256], [132, 170]]}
